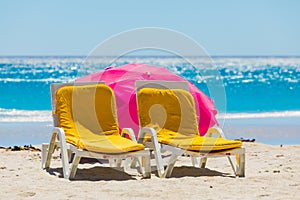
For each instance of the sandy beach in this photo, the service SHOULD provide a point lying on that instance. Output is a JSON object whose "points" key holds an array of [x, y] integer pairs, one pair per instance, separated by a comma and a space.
{"points": [[272, 172]]}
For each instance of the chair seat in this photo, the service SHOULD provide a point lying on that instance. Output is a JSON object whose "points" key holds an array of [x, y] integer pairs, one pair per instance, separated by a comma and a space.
{"points": [[194, 142], [103, 142], [108, 144]]}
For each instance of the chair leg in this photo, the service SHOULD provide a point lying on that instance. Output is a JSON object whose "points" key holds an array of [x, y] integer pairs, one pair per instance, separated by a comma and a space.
{"points": [[203, 162], [241, 165], [170, 166], [74, 166], [175, 154], [140, 161], [137, 160], [69, 155], [63, 151], [119, 162], [51, 149], [147, 165], [232, 165], [194, 161], [127, 164], [156, 148], [159, 162], [112, 162], [133, 162], [44, 154]]}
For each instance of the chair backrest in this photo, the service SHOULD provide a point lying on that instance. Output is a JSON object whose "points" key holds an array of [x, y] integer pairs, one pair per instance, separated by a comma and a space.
{"points": [[55, 86], [166, 105], [84, 112]]}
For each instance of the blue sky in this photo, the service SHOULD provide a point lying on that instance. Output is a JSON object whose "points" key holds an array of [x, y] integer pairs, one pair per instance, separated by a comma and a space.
{"points": [[231, 27]]}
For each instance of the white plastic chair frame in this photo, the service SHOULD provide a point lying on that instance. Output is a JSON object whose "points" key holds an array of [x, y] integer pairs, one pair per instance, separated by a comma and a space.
{"points": [[58, 141], [239, 166]]}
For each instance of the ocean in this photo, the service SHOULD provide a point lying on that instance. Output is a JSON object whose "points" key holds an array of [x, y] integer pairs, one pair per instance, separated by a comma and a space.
{"points": [[256, 88]]}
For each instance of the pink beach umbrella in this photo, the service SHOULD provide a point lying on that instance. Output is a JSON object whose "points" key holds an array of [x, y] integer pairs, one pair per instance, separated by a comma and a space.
{"points": [[122, 80]]}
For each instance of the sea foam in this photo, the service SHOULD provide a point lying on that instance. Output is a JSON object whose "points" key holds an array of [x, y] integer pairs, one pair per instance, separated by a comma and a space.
{"points": [[258, 115], [14, 115]]}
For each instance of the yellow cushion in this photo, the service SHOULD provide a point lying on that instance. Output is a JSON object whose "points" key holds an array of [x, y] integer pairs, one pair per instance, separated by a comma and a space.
{"points": [[172, 114], [88, 116]]}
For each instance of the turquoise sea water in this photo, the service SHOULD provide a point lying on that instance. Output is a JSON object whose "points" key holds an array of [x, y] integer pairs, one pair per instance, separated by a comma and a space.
{"points": [[255, 87]]}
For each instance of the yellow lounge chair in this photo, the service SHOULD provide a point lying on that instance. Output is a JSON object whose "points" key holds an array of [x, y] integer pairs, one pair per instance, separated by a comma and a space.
{"points": [[168, 122], [85, 124]]}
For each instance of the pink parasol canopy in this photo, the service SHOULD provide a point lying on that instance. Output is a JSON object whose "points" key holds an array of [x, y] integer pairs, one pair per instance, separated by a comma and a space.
{"points": [[122, 80]]}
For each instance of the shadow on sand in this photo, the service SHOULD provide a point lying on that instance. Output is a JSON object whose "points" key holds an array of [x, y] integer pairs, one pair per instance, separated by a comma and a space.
{"points": [[95, 174], [188, 171]]}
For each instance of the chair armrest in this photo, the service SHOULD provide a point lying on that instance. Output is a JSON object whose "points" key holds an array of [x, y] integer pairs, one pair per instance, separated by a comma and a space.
{"points": [[60, 134], [156, 147], [215, 131], [147, 130], [129, 132]]}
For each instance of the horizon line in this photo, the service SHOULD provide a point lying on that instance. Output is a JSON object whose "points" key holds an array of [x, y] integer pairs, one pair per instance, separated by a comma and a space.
{"points": [[161, 56]]}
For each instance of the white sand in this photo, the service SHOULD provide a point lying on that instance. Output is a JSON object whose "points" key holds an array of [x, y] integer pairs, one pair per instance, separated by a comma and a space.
{"points": [[272, 172]]}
